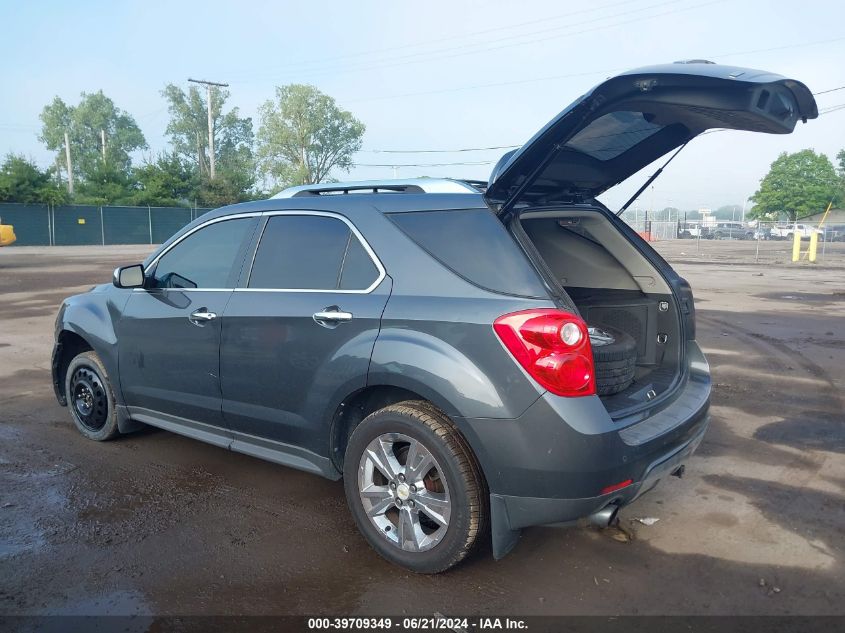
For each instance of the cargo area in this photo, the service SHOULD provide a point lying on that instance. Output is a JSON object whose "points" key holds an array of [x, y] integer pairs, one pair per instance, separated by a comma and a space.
{"points": [[614, 288]]}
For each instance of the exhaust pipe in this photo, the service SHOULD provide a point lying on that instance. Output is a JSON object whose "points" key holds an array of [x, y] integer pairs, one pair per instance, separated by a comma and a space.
{"points": [[604, 517]]}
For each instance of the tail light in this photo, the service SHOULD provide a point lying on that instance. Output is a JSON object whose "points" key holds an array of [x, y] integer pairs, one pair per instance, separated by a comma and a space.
{"points": [[553, 346]]}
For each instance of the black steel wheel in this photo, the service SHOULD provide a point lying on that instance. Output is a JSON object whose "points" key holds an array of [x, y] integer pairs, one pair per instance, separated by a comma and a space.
{"points": [[90, 397]]}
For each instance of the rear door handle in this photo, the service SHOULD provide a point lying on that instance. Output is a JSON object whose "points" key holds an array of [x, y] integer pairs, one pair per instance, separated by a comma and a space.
{"points": [[202, 316], [332, 317]]}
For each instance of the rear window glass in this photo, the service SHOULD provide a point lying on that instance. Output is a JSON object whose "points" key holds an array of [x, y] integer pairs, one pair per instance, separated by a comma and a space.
{"points": [[473, 244], [613, 134]]}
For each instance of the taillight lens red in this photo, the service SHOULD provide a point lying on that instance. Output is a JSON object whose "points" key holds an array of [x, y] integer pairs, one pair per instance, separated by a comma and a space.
{"points": [[545, 342]]}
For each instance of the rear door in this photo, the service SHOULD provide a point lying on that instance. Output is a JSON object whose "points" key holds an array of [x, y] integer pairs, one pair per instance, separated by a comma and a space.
{"points": [[630, 120], [169, 333], [299, 332]]}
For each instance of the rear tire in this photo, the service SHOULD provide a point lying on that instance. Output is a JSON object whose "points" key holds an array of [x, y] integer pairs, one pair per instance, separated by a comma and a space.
{"points": [[90, 398], [414, 487]]}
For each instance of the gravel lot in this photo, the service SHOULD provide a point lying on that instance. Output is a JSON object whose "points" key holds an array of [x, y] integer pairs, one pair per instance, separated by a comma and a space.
{"points": [[156, 523]]}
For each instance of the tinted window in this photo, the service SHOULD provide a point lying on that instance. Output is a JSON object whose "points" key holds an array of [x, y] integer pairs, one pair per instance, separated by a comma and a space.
{"points": [[311, 252], [359, 271], [612, 134], [474, 244], [206, 258]]}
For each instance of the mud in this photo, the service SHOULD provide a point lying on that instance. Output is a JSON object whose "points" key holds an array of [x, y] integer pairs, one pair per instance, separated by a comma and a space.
{"points": [[156, 523]]}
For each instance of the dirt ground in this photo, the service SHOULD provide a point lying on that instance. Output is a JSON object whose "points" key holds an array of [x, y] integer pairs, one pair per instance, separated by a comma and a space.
{"points": [[156, 523]]}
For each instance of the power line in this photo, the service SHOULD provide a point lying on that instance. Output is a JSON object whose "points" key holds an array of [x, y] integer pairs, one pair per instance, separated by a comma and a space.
{"points": [[604, 72], [484, 47], [833, 108], [824, 92], [476, 163], [464, 36], [779, 48], [437, 151], [827, 110]]}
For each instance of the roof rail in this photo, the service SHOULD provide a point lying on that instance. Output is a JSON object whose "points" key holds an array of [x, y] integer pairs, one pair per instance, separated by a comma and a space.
{"points": [[403, 185]]}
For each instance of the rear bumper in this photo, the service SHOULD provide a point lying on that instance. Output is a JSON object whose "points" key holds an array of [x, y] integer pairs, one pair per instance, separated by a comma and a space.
{"points": [[551, 464], [521, 512]]}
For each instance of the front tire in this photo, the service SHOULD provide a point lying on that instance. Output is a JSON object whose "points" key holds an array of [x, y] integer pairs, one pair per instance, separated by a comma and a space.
{"points": [[90, 398], [414, 487]]}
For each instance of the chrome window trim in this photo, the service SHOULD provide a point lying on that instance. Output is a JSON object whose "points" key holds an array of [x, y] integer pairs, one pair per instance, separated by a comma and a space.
{"points": [[223, 218], [382, 273]]}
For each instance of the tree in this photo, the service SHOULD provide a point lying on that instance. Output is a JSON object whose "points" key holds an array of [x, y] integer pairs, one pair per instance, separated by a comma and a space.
{"points": [[22, 181], [797, 185], [188, 129], [233, 142], [105, 184], [168, 181], [304, 135], [87, 124]]}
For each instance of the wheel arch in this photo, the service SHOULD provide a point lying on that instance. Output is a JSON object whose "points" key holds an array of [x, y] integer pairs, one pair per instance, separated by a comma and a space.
{"points": [[69, 345], [86, 322], [358, 405]]}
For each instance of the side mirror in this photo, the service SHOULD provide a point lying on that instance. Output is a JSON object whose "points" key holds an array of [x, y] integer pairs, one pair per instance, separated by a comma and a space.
{"points": [[129, 276]]}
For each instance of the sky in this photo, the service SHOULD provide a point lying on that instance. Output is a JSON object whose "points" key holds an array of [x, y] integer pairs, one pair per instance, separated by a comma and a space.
{"points": [[461, 74]]}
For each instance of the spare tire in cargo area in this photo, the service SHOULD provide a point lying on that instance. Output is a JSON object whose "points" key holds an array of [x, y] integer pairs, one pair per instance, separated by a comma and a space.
{"points": [[615, 358]]}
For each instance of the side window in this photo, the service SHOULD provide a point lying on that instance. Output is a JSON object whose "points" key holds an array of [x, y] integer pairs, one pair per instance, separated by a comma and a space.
{"points": [[359, 271], [205, 259], [311, 252]]}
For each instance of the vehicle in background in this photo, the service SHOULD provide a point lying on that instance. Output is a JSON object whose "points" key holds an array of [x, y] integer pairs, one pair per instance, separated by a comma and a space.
{"points": [[7, 234], [728, 231], [689, 230], [763, 233], [787, 231]]}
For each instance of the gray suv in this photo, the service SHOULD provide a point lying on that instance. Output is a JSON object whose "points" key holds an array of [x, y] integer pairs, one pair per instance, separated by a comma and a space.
{"points": [[470, 359]]}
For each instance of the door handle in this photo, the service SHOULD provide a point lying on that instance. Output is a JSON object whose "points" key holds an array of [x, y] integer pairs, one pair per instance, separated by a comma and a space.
{"points": [[332, 317], [202, 316]]}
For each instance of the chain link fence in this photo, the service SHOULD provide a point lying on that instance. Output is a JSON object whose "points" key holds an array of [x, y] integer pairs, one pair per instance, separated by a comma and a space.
{"points": [[767, 242], [72, 225]]}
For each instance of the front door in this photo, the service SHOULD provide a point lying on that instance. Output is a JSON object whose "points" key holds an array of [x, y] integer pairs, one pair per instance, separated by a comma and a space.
{"points": [[298, 337], [169, 333]]}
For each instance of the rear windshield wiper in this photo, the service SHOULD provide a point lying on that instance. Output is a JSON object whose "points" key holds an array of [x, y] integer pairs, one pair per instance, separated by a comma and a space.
{"points": [[651, 180]]}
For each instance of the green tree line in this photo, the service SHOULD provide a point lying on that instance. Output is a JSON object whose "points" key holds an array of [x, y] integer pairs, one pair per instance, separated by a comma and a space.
{"points": [[302, 137]]}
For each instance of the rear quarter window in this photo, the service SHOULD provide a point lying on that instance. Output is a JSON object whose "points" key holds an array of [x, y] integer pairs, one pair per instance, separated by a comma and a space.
{"points": [[475, 245]]}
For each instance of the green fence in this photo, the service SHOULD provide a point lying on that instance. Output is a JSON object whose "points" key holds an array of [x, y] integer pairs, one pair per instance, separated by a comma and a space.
{"points": [[42, 225]]}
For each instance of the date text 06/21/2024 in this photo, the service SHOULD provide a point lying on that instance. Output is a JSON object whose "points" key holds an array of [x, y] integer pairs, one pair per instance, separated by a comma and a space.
{"points": [[433, 623]]}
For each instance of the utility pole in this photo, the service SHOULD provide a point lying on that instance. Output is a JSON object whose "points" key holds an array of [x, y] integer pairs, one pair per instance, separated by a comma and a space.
{"points": [[103, 137], [208, 85], [69, 165]]}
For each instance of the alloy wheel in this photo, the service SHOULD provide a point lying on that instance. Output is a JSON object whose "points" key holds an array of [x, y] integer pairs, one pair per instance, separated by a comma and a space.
{"points": [[403, 492]]}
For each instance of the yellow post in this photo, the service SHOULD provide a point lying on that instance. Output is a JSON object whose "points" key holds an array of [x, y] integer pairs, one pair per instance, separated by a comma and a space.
{"points": [[814, 244], [796, 246]]}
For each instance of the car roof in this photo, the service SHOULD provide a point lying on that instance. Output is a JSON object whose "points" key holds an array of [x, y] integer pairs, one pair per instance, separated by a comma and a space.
{"points": [[358, 203]]}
